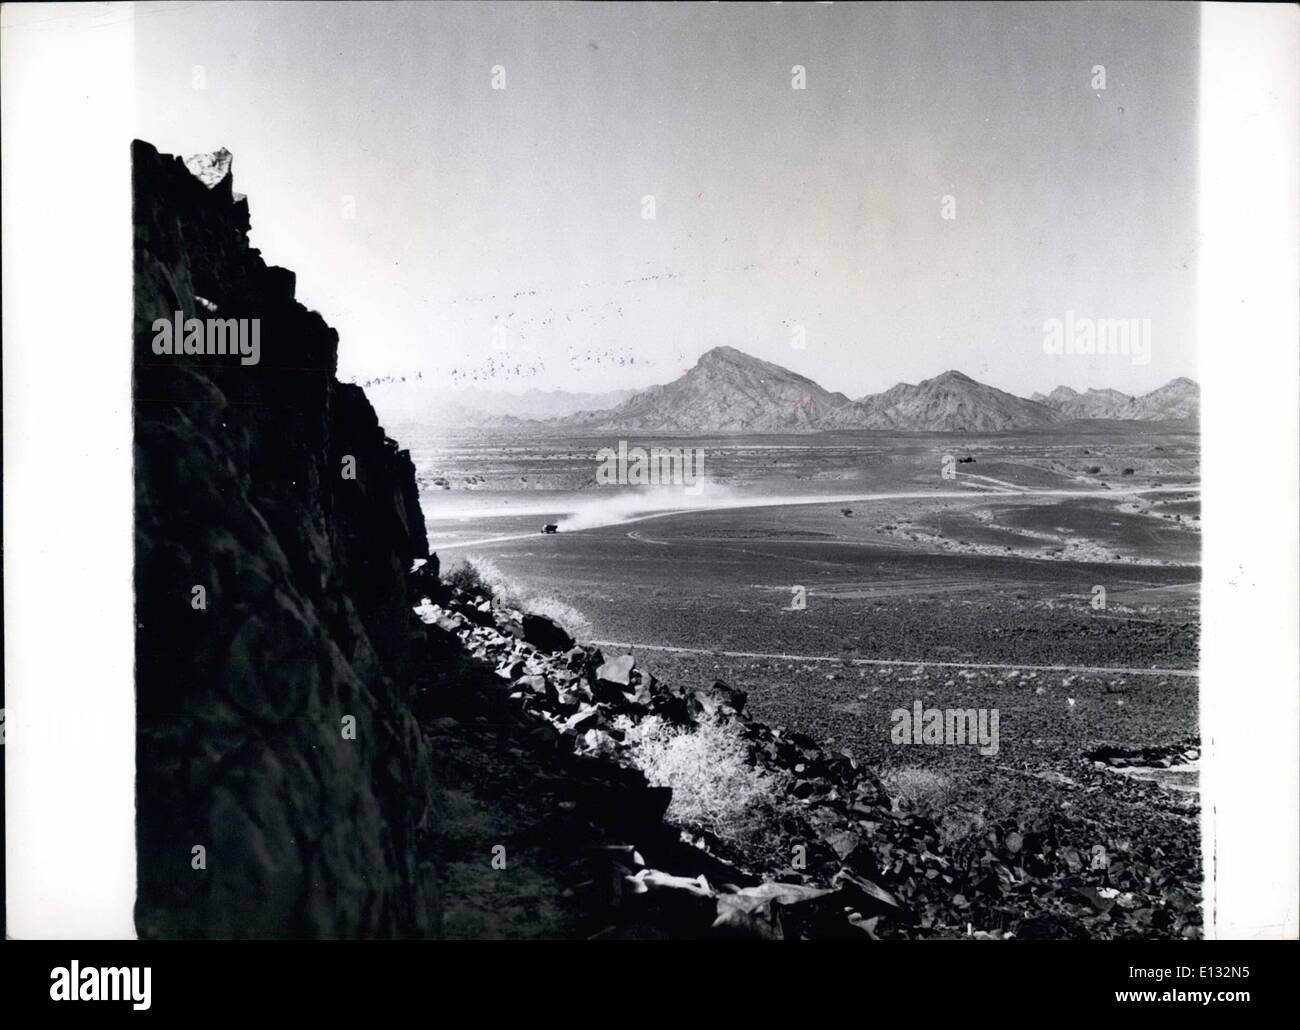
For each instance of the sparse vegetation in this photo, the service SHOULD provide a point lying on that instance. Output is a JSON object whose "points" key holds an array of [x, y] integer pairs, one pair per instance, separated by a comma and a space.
{"points": [[466, 576], [715, 786], [478, 576], [916, 787]]}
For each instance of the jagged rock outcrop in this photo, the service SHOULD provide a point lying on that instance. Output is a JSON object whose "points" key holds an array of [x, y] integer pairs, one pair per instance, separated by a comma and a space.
{"points": [[275, 524]]}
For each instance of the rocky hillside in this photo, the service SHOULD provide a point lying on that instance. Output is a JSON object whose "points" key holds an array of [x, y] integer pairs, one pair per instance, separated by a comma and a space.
{"points": [[834, 857], [727, 391], [283, 782], [1090, 404], [1178, 399], [951, 402]]}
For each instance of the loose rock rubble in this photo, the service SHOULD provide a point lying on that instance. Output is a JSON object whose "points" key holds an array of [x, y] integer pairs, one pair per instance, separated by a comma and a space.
{"points": [[577, 693], [841, 862]]}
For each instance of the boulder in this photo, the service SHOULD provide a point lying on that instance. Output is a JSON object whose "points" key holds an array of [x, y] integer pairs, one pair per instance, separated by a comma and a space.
{"points": [[423, 580], [639, 694], [764, 912], [612, 680], [479, 614], [580, 722], [599, 741], [843, 842], [720, 699], [616, 671], [545, 635], [537, 685]]}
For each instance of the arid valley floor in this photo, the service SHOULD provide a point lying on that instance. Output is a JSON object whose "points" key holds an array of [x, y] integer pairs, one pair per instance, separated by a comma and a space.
{"points": [[975, 592]]}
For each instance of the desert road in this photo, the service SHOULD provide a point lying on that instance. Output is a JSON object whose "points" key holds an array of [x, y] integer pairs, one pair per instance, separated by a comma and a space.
{"points": [[1079, 669], [782, 502]]}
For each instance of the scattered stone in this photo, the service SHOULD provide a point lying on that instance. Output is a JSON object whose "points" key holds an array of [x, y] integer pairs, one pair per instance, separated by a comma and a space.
{"points": [[588, 707]]}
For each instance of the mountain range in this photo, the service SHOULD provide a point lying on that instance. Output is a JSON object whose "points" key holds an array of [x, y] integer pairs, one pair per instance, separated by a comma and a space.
{"points": [[731, 391], [1178, 398], [410, 399]]}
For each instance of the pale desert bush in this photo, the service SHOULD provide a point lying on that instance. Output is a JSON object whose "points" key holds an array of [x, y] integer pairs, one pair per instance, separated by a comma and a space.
{"points": [[937, 797], [918, 786], [477, 575], [577, 624], [714, 786]]}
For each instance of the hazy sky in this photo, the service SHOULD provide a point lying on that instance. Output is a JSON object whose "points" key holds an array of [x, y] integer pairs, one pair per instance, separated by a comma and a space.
{"points": [[521, 208]]}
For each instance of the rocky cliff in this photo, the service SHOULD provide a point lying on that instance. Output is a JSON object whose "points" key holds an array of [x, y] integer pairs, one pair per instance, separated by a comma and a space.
{"points": [[283, 784]]}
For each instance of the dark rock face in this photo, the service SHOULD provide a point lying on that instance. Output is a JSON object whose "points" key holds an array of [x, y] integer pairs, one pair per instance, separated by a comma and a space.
{"points": [[248, 689]]}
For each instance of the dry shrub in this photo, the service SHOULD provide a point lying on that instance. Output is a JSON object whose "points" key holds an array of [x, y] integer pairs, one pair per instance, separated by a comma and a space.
{"points": [[476, 575], [714, 786], [577, 624], [466, 577], [918, 787], [959, 825]]}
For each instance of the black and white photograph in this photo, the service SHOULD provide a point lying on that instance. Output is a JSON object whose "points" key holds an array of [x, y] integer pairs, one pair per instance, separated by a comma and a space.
{"points": [[646, 471]]}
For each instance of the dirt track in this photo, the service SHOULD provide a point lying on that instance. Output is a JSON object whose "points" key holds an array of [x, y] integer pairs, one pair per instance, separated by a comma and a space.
{"points": [[781, 502], [1082, 669]]}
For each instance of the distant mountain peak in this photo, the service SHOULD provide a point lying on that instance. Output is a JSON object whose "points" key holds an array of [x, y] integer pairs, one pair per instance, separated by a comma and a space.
{"points": [[731, 357], [727, 391], [725, 353], [950, 402]]}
